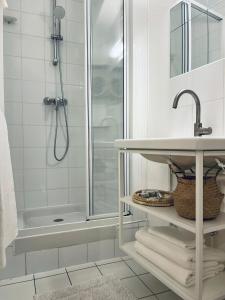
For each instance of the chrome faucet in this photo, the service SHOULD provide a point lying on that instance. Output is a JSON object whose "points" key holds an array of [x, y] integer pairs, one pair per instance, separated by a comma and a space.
{"points": [[198, 129]]}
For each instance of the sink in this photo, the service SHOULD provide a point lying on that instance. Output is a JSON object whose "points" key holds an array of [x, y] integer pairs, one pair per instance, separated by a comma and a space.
{"points": [[177, 144]]}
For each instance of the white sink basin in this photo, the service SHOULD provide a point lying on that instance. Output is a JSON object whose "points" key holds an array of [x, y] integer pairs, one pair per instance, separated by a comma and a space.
{"points": [[174, 144]]}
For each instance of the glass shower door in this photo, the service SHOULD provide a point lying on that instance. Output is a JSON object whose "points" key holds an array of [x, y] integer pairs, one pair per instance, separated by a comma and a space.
{"points": [[106, 101]]}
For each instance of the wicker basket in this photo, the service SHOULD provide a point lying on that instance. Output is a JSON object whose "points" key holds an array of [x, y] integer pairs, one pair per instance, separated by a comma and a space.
{"points": [[184, 198], [166, 201]]}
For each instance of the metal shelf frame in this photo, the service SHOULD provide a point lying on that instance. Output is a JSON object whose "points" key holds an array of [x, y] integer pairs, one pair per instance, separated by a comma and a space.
{"points": [[199, 223]]}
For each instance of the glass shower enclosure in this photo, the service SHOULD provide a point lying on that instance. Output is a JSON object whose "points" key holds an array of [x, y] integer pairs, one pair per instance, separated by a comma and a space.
{"points": [[106, 102], [60, 196]]}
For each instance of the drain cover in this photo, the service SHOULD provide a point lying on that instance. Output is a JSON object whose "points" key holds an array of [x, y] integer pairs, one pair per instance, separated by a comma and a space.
{"points": [[58, 220]]}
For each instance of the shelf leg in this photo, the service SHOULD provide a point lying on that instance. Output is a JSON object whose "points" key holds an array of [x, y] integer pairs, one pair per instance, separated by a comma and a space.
{"points": [[199, 225], [121, 192]]}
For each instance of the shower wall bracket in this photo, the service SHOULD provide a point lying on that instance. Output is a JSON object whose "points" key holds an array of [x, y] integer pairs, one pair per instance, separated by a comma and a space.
{"points": [[56, 37]]}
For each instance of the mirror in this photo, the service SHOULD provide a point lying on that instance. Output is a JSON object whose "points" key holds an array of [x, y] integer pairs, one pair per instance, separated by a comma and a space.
{"points": [[196, 34]]}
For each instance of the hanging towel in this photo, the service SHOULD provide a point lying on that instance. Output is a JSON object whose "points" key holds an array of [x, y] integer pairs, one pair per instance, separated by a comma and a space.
{"points": [[177, 254], [181, 275], [8, 212], [3, 3], [179, 237]]}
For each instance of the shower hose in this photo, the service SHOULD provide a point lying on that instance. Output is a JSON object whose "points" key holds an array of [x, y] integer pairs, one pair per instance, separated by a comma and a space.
{"points": [[60, 158]]}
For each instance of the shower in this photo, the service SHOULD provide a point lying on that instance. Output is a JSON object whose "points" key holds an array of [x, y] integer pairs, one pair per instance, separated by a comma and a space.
{"points": [[58, 15]]}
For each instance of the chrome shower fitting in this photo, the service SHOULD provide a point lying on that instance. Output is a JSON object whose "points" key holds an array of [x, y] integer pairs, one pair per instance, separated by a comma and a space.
{"points": [[58, 15], [55, 101]]}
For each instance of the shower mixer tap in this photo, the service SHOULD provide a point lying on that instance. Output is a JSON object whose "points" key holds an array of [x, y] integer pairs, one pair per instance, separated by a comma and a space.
{"points": [[55, 101]]}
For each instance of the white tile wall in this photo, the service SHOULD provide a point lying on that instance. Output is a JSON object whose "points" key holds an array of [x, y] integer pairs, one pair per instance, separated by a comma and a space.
{"points": [[29, 77], [208, 82]]}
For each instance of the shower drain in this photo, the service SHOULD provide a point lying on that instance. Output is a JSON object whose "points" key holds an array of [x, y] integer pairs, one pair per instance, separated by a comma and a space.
{"points": [[58, 220]]}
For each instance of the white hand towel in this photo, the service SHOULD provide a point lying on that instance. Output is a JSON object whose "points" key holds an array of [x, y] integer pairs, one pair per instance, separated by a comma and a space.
{"points": [[181, 256], [8, 213], [181, 275], [179, 237], [175, 253], [3, 3]]}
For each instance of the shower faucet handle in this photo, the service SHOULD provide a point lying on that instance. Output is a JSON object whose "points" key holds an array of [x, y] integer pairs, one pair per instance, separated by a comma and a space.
{"points": [[55, 101]]}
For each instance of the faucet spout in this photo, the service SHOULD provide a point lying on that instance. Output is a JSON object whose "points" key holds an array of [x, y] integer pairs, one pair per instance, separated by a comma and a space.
{"points": [[198, 130]]}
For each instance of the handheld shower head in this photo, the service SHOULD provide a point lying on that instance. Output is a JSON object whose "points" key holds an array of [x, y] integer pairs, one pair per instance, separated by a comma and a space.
{"points": [[59, 12]]}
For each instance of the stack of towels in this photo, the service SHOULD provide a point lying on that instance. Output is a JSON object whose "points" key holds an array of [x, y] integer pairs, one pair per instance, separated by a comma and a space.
{"points": [[173, 251]]}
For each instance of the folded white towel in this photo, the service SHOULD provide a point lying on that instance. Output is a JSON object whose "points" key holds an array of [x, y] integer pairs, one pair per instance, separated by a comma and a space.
{"points": [[8, 213], [181, 256], [3, 3], [181, 275], [179, 237]]}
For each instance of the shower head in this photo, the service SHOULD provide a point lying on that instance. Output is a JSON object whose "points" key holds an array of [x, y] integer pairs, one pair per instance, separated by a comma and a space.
{"points": [[59, 12]]}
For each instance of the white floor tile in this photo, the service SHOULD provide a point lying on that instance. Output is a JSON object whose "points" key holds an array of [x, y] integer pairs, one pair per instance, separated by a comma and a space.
{"points": [[137, 287], [16, 280], [120, 269], [108, 261], [19, 291], [168, 296], [84, 275], [52, 283], [50, 273], [137, 269], [80, 267], [153, 283]]}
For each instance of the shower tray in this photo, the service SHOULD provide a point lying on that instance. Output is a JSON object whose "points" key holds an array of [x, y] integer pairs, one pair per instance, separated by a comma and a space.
{"points": [[47, 216]]}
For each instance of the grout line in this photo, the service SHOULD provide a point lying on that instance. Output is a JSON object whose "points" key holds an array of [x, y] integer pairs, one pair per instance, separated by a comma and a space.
{"points": [[16, 282], [99, 269], [35, 288], [68, 277]]}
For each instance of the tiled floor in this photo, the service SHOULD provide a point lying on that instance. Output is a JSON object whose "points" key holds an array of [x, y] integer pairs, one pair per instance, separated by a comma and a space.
{"points": [[143, 285]]}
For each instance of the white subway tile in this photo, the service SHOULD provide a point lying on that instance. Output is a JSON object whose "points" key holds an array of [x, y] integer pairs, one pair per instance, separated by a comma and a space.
{"points": [[12, 44], [17, 158], [75, 10], [34, 158], [77, 177], [35, 179], [33, 69], [13, 90], [34, 136], [33, 91], [73, 255], [208, 81], [33, 114], [40, 261], [12, 67], [18, 180], [33, 24], [15, 265], [13, 112], [101, 250], [34, 199], [33, 47], [33, 7], [15, 135], [57, 178], [58, 197]]}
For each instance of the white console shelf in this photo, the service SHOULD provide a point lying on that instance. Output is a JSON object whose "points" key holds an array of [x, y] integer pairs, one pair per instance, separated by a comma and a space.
{"points": [[201, 151]]}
